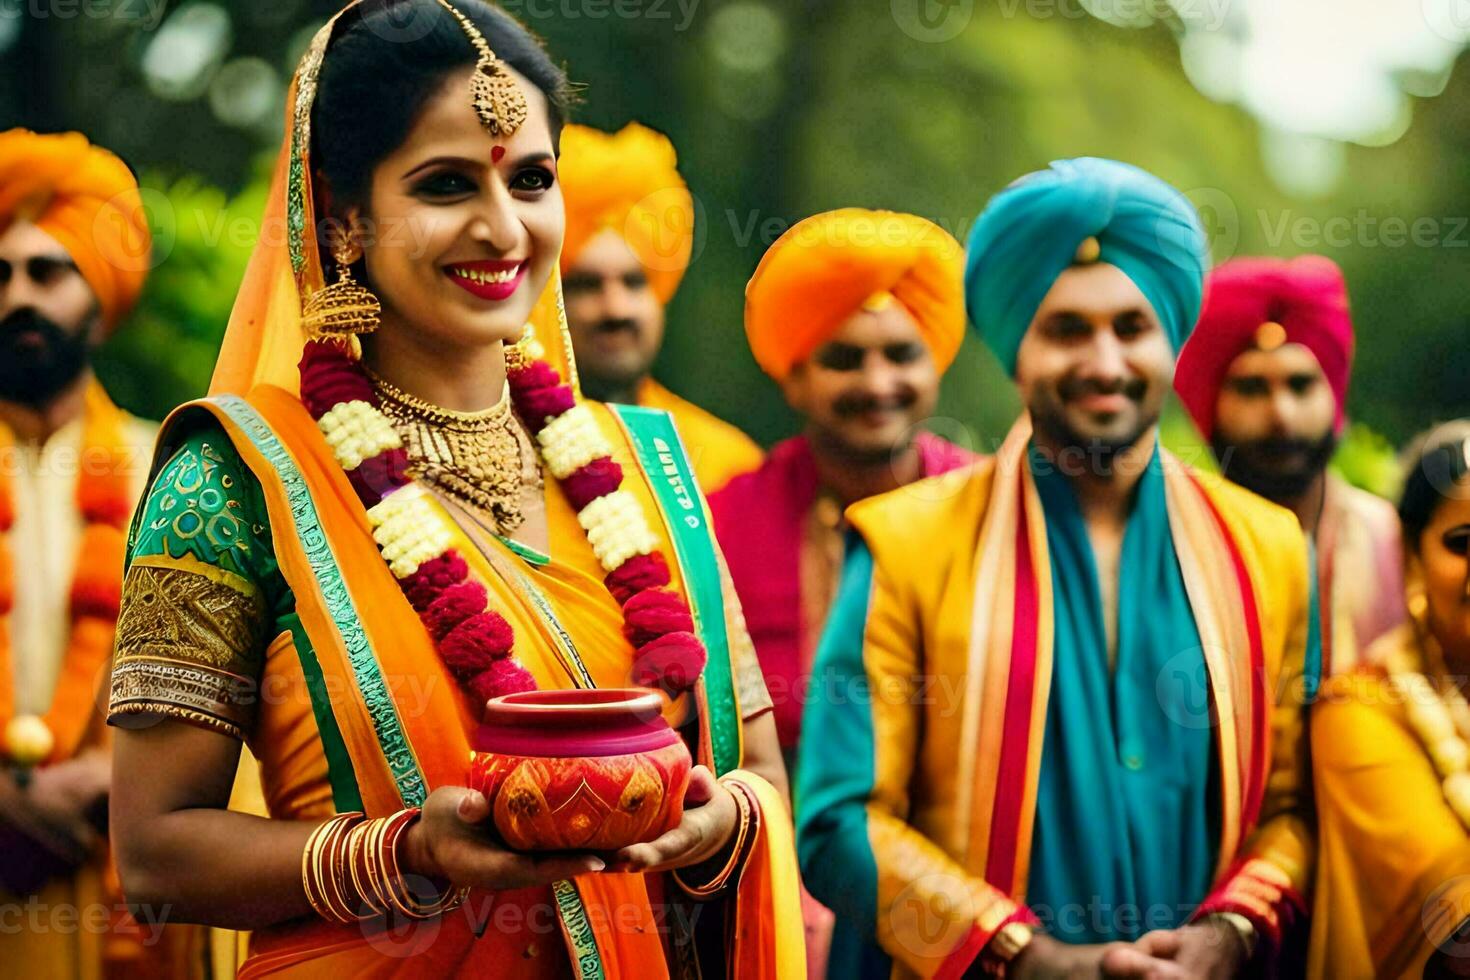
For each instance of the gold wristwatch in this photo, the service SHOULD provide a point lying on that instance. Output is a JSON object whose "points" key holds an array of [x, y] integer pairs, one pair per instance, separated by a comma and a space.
{"points": [[1005, 946]]}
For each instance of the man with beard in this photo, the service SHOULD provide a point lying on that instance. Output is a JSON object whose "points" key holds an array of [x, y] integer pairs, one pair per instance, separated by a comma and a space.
{"points": [[1266, 378], [74, 250], [630, 231], [1049, 683], [855, 314]]}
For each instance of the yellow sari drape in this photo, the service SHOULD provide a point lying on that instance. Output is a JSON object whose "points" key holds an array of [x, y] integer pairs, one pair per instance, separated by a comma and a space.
{"points": [[1394, 860]]}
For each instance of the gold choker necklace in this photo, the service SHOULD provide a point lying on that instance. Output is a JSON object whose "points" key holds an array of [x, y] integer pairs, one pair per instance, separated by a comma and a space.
{"points": [[483, 459]]}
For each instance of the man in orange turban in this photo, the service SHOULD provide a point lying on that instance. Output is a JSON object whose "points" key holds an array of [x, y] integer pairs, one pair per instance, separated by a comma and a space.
{"points": [[1265, 377], [855, 314], [74, 251], [630, 231]]}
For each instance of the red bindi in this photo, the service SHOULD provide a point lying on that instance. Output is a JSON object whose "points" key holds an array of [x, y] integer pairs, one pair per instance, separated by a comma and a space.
{"points": [[496, 153]]}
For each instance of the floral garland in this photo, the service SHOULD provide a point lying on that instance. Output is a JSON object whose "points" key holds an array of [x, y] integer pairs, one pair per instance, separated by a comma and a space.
{"points": [[1442, 722], [475, 642], [104, 501]]}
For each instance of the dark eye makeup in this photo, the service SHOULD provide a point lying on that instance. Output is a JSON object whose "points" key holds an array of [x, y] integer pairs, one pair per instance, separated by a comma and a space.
{"points": [[444, 184], [532, 180]]}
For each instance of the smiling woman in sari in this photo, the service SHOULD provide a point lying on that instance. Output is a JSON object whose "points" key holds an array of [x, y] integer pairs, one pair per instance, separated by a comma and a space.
{"points": [[396, 504], [1391, 754]]}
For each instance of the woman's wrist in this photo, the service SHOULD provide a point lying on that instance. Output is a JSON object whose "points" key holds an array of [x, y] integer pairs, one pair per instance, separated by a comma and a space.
{"points": [[354, 869], [414, 854], [707, 877]]}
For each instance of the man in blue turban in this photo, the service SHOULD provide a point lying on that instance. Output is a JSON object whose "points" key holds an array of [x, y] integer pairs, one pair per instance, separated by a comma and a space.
{"points": [[1078, 750]]}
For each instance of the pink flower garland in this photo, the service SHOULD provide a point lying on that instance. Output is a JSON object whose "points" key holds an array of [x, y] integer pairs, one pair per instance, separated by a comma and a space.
{"points": [[475, 642]]}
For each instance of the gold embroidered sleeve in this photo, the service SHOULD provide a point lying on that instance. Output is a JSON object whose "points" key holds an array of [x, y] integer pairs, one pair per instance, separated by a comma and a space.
{"points": [[190, 645]]}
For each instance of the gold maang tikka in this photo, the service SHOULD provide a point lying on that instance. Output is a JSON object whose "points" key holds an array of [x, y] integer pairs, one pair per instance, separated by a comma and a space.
{"points": [[498, 100], [344, 309]]}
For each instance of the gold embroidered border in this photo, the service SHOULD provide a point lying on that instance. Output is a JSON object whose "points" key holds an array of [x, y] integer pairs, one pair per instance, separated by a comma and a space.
{"points": [[191, 692], [180, 615]]}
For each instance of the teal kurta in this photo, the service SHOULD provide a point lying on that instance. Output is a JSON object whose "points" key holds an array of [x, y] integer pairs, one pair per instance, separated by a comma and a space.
{"points": [[1127, 819]]}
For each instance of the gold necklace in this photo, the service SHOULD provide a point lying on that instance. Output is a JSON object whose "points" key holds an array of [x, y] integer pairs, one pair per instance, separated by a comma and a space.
{"points": [[483, 459]]}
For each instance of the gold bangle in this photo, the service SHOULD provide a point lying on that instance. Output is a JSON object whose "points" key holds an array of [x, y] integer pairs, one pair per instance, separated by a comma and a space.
{"points": [[357, 847], [308, 870], [742, 832], [321, 871], [374, 865], [401, 898], [333, 873]]}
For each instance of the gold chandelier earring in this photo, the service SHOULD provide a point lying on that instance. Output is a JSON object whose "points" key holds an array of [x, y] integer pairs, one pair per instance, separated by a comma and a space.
{"points": [[346, 309]]}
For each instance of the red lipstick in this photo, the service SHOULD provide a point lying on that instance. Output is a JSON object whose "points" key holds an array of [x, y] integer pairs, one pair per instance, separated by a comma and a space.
{"points": [[492, 279]]}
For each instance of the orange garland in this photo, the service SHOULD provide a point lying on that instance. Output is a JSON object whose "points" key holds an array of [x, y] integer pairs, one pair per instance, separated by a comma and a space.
{"points": [[104, 500]]}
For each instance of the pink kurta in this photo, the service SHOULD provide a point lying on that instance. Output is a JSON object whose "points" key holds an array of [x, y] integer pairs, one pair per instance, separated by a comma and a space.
{"points": [[785, 559]]}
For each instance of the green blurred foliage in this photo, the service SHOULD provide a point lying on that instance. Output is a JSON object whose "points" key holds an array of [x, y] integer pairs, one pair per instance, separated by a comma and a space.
{"points": [[202, 241], [779, 109], [1367, 460]]}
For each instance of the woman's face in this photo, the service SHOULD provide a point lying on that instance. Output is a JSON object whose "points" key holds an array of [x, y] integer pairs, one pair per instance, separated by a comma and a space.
{"points": [[462, 230], [1443, 548]]}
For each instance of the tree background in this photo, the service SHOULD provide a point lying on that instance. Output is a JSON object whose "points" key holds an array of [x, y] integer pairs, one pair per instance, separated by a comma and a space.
{"points": [[782, 109]]}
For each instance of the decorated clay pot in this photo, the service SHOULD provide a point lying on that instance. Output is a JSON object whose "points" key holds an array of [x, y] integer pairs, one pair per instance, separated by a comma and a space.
{"points": [[587, 770]]}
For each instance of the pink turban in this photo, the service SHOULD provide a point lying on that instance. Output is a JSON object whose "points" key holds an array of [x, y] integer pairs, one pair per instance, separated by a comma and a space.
{"points": [[1306, 296]]}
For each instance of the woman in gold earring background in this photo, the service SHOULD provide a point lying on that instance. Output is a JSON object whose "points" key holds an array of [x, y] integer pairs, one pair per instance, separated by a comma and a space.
{"points": [[272, 597], [1391, 751]]}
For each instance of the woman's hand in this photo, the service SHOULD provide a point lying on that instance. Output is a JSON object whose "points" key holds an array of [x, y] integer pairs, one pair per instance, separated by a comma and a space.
{"points": [[710, 816], [452, 841]]}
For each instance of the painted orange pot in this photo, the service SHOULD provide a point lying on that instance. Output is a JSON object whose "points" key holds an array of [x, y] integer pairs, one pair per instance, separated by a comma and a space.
{"points": [[589, 770]]}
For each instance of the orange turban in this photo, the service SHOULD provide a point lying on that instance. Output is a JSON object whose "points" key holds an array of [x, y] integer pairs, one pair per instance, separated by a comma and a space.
{"points": [[85, 198], [826, 267], [627, 181]]}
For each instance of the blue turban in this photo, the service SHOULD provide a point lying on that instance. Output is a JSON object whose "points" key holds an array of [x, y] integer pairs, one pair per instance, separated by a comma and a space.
{"points": [[1029, 234]]}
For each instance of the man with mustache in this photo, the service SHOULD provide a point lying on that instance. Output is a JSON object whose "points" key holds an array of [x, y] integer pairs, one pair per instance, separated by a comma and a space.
{"points": [[855, 314], [74, 252], [1265, 377], [1058, 695], [630, 232]]}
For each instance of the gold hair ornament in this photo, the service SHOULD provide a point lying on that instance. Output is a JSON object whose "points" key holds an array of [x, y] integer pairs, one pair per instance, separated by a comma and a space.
{"points": [[498, 100]]}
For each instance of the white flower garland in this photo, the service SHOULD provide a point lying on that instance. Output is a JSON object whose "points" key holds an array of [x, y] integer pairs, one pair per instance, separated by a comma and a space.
{"points": [[1441, 721], [410, 530]]}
